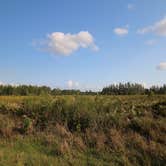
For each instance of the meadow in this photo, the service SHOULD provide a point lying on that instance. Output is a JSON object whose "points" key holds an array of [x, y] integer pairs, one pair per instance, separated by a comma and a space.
{"points": [[98, 130]]}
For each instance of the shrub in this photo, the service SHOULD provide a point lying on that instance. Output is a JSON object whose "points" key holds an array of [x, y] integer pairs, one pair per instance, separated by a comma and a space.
{"points": [[159, 109], [27, 125]]}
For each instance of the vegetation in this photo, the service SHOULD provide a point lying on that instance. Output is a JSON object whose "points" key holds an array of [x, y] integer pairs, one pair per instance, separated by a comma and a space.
{"points": [[114, 89], [124, 89], [83, 130]]}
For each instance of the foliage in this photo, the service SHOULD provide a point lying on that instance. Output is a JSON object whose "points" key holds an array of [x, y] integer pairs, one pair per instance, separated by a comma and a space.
{"points": [[114, 89], [83, 130], [124, 89]]}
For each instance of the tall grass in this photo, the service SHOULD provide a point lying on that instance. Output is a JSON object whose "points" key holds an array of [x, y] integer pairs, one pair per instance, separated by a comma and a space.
{"points": [[83, 130]]}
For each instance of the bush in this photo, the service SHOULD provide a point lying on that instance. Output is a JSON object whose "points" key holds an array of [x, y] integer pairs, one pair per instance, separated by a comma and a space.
{"points": [[27, 125], [159, 109]]}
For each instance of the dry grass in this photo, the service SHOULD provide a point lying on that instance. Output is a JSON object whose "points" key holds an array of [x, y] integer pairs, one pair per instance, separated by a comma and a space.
{"points": [[98, 130]]}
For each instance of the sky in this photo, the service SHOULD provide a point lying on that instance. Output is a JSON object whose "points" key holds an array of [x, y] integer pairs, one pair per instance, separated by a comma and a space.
{"points": [[82, 44]]}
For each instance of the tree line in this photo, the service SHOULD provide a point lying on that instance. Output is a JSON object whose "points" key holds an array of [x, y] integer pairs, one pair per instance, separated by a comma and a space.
{"points": [[27, 90], [132, 89], [113, 89]]}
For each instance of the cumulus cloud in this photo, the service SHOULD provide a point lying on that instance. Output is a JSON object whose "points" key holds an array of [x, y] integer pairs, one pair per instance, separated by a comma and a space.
{"points": [[162, 66], [158, 28], [144, 84], [131, 6], [121, 31], [59, 43], [72, 84]]}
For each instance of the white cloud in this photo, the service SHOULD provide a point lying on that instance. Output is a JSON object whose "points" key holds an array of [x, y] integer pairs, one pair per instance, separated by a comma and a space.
{"points": [[150, 42], [131, 6], [144, 84], [77, 84], [162, 66], [59, 43], [72, 84], [1, 83], [158, 28], [121, 31]]}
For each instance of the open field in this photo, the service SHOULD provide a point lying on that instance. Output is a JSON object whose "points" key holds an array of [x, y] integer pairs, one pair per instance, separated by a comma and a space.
{"points": [[83, 130], [83, 83]]}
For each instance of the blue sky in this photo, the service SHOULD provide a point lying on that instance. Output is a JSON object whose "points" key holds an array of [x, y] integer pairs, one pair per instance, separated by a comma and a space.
{"points": [[84, 44]]}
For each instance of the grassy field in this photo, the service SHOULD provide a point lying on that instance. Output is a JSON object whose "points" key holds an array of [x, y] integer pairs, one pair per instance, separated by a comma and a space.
{"points": [[83, 130]]}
